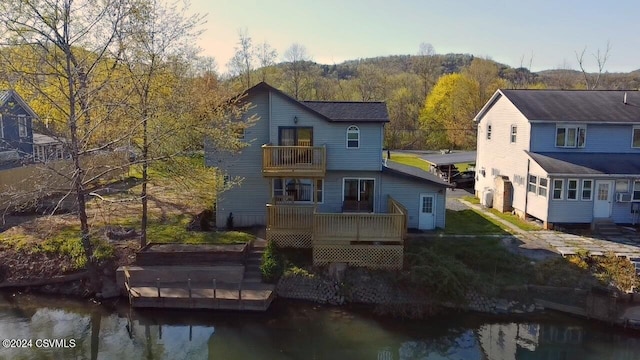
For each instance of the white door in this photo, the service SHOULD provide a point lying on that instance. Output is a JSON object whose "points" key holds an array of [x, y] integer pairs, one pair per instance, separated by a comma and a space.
{"points": [[603, 199], [427, 218]]}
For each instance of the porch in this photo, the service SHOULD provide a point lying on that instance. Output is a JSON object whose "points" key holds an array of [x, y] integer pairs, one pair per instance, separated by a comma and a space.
{"points": [[294, 161], [373, 240]]}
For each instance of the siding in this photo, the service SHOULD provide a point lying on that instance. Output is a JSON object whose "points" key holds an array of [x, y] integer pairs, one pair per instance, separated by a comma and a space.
{"points": [[247, 199], [331, 135], [11, 138], [537, 205], [499, 153], [407, 192], [600, 138]]}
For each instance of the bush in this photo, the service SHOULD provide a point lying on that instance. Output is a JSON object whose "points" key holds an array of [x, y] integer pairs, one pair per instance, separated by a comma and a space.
{"points": [[272, 265]]}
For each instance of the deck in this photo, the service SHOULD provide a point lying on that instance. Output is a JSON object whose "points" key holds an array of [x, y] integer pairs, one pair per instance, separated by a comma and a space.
{"points": [[294, 161]]}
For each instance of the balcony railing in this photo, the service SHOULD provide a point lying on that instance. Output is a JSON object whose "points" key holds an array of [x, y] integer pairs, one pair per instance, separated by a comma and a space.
{"points": [[294, 161]]}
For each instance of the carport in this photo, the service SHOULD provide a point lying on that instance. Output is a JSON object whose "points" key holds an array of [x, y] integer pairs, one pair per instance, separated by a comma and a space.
{"points": [[447, 160]]}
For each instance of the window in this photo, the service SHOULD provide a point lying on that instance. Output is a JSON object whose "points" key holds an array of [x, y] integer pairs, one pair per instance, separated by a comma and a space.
{"points": [[1, 127], [587, 186], [542, 187], [635, 141], [636, 190], [22, 126], [239, 132], [558, 184], [489, 132], [353, 137], [301, 190], [533, 183], [571, 136], [225, 181], [514, 133], [572, 189], [622, 186], [358, 194]]}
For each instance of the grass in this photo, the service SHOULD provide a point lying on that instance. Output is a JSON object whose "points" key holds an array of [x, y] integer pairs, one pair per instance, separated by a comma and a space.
{"points": [[471, 199], [175, 231], [515, 220], [411, 160], [450, 268], [470, 222]]}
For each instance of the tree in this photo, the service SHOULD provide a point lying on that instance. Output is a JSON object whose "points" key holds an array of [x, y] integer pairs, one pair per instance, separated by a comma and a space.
{"points": [[297, 64], [592, 81], [427, 66], [241, 64], [266, 58], [70, 40]]}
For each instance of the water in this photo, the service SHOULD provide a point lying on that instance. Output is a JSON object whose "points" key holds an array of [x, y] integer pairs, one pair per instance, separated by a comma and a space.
{"points": [[296, 331]]}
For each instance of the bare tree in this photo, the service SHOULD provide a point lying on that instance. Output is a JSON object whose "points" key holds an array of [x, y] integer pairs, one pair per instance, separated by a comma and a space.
{"points": [[70, 39], [266, 58], [425, 64], [592, 81], [297, 64], [241, 64]]}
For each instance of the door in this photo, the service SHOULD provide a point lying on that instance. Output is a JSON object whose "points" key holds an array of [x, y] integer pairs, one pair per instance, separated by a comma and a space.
{"points": [[427, 218], [295, 136], [603, 199]]}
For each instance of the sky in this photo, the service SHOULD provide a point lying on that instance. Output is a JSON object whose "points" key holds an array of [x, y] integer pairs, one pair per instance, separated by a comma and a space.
{"points": [[544, 33]]}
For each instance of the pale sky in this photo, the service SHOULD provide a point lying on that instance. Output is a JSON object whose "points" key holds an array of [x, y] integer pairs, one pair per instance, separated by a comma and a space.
{"points": [[548, 31]]}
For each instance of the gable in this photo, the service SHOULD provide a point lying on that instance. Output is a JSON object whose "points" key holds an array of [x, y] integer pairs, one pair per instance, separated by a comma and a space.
{"points": [[9, 96]]}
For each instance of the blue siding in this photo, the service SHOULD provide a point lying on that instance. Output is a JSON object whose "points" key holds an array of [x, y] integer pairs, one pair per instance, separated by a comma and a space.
{"points": [[332, 135], [600, 138], [407, 192], [11, 139]]}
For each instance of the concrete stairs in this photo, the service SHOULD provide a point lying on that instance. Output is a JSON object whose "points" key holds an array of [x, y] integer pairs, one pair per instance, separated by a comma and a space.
{"points": [[252, 272], [607, 228]]}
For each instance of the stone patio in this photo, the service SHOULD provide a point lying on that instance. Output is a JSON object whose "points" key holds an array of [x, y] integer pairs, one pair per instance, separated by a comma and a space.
{"points": [[627, 245]]}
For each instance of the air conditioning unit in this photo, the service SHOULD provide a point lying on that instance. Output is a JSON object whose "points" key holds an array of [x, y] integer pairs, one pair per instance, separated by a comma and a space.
{"points": [[623, 197]]}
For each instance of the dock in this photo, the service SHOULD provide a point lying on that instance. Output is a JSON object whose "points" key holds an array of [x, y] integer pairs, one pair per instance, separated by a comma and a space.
{"points": [[222, 285]]}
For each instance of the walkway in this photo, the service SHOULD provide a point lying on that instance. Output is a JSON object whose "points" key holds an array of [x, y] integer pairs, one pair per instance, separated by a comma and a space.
{"points": [[627, 245]]}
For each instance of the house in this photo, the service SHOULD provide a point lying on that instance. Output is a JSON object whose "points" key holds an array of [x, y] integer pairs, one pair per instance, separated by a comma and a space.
{"points": [[314, 169], [19, 145], [562, 156]]}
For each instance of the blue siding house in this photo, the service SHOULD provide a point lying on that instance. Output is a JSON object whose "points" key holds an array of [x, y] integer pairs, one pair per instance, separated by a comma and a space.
{"points": [[307, 157], [570, 156], [16, 131]]}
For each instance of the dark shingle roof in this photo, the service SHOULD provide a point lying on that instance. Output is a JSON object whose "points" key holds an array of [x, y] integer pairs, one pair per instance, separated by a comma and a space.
{"points": [[349, 111], [334, 111], [577, 105], [394, 168], [588, 163]]}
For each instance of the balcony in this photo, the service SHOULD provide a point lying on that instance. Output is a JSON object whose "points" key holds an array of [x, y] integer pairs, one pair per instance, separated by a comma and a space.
{"points": [[294, 161]]}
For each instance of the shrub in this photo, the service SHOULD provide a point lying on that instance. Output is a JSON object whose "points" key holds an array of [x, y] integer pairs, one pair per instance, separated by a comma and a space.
{"points": [[272, 265]]}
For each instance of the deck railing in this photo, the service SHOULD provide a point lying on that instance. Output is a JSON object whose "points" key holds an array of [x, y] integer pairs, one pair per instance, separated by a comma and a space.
{"points": [[347, 228], [294, 160], [294, 217]]}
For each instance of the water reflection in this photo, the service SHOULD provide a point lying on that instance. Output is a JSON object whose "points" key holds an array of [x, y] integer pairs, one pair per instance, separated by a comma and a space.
{"points": [[297, 331]]}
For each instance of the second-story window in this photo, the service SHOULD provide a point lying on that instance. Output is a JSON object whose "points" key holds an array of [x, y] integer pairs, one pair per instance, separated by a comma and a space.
{"points": [[489, 132], [514, 133], [353, 137], [635, 142], [22, 126], [571, 136]]}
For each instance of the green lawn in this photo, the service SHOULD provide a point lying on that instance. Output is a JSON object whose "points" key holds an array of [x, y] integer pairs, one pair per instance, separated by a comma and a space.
{"points": [[411, 160], [515, 220], [470, 222]]}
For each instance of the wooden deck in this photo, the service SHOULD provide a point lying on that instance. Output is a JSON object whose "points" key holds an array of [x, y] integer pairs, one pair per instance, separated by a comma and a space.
{"points": [[147, 289], [294, 161]]}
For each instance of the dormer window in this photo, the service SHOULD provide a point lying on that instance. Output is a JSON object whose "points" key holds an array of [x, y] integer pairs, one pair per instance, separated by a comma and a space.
{"points": [[571, 136], [353, 137]]}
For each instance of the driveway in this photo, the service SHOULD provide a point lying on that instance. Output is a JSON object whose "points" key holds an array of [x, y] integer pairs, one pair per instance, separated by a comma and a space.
{"points": [[452, 199]]}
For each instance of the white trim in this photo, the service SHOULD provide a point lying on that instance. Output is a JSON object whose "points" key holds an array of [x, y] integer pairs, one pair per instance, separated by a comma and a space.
{"points": [[553, 193], [1, 127], [634, 190], [590, 190], [577, 189], [567, 127], [23, 118], [513, 135], [352, 129]]}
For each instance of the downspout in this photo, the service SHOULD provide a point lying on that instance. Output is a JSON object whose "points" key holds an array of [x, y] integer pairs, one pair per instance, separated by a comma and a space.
{"points": [[526, 188]]}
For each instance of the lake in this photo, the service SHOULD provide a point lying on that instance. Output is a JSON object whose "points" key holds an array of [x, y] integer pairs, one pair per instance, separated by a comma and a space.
{"points": [[66, 329]]}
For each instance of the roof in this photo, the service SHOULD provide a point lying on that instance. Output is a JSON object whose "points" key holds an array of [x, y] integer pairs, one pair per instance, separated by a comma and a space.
{"points": [[333, 111], [6, 95], [450, 158], [41, 139], [397, 169], [350, 111], [588, 163], [584, 106]]}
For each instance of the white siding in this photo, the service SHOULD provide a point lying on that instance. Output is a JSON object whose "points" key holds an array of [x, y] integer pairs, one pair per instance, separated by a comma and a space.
{"points": [[509, 159], [537, 205]]}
